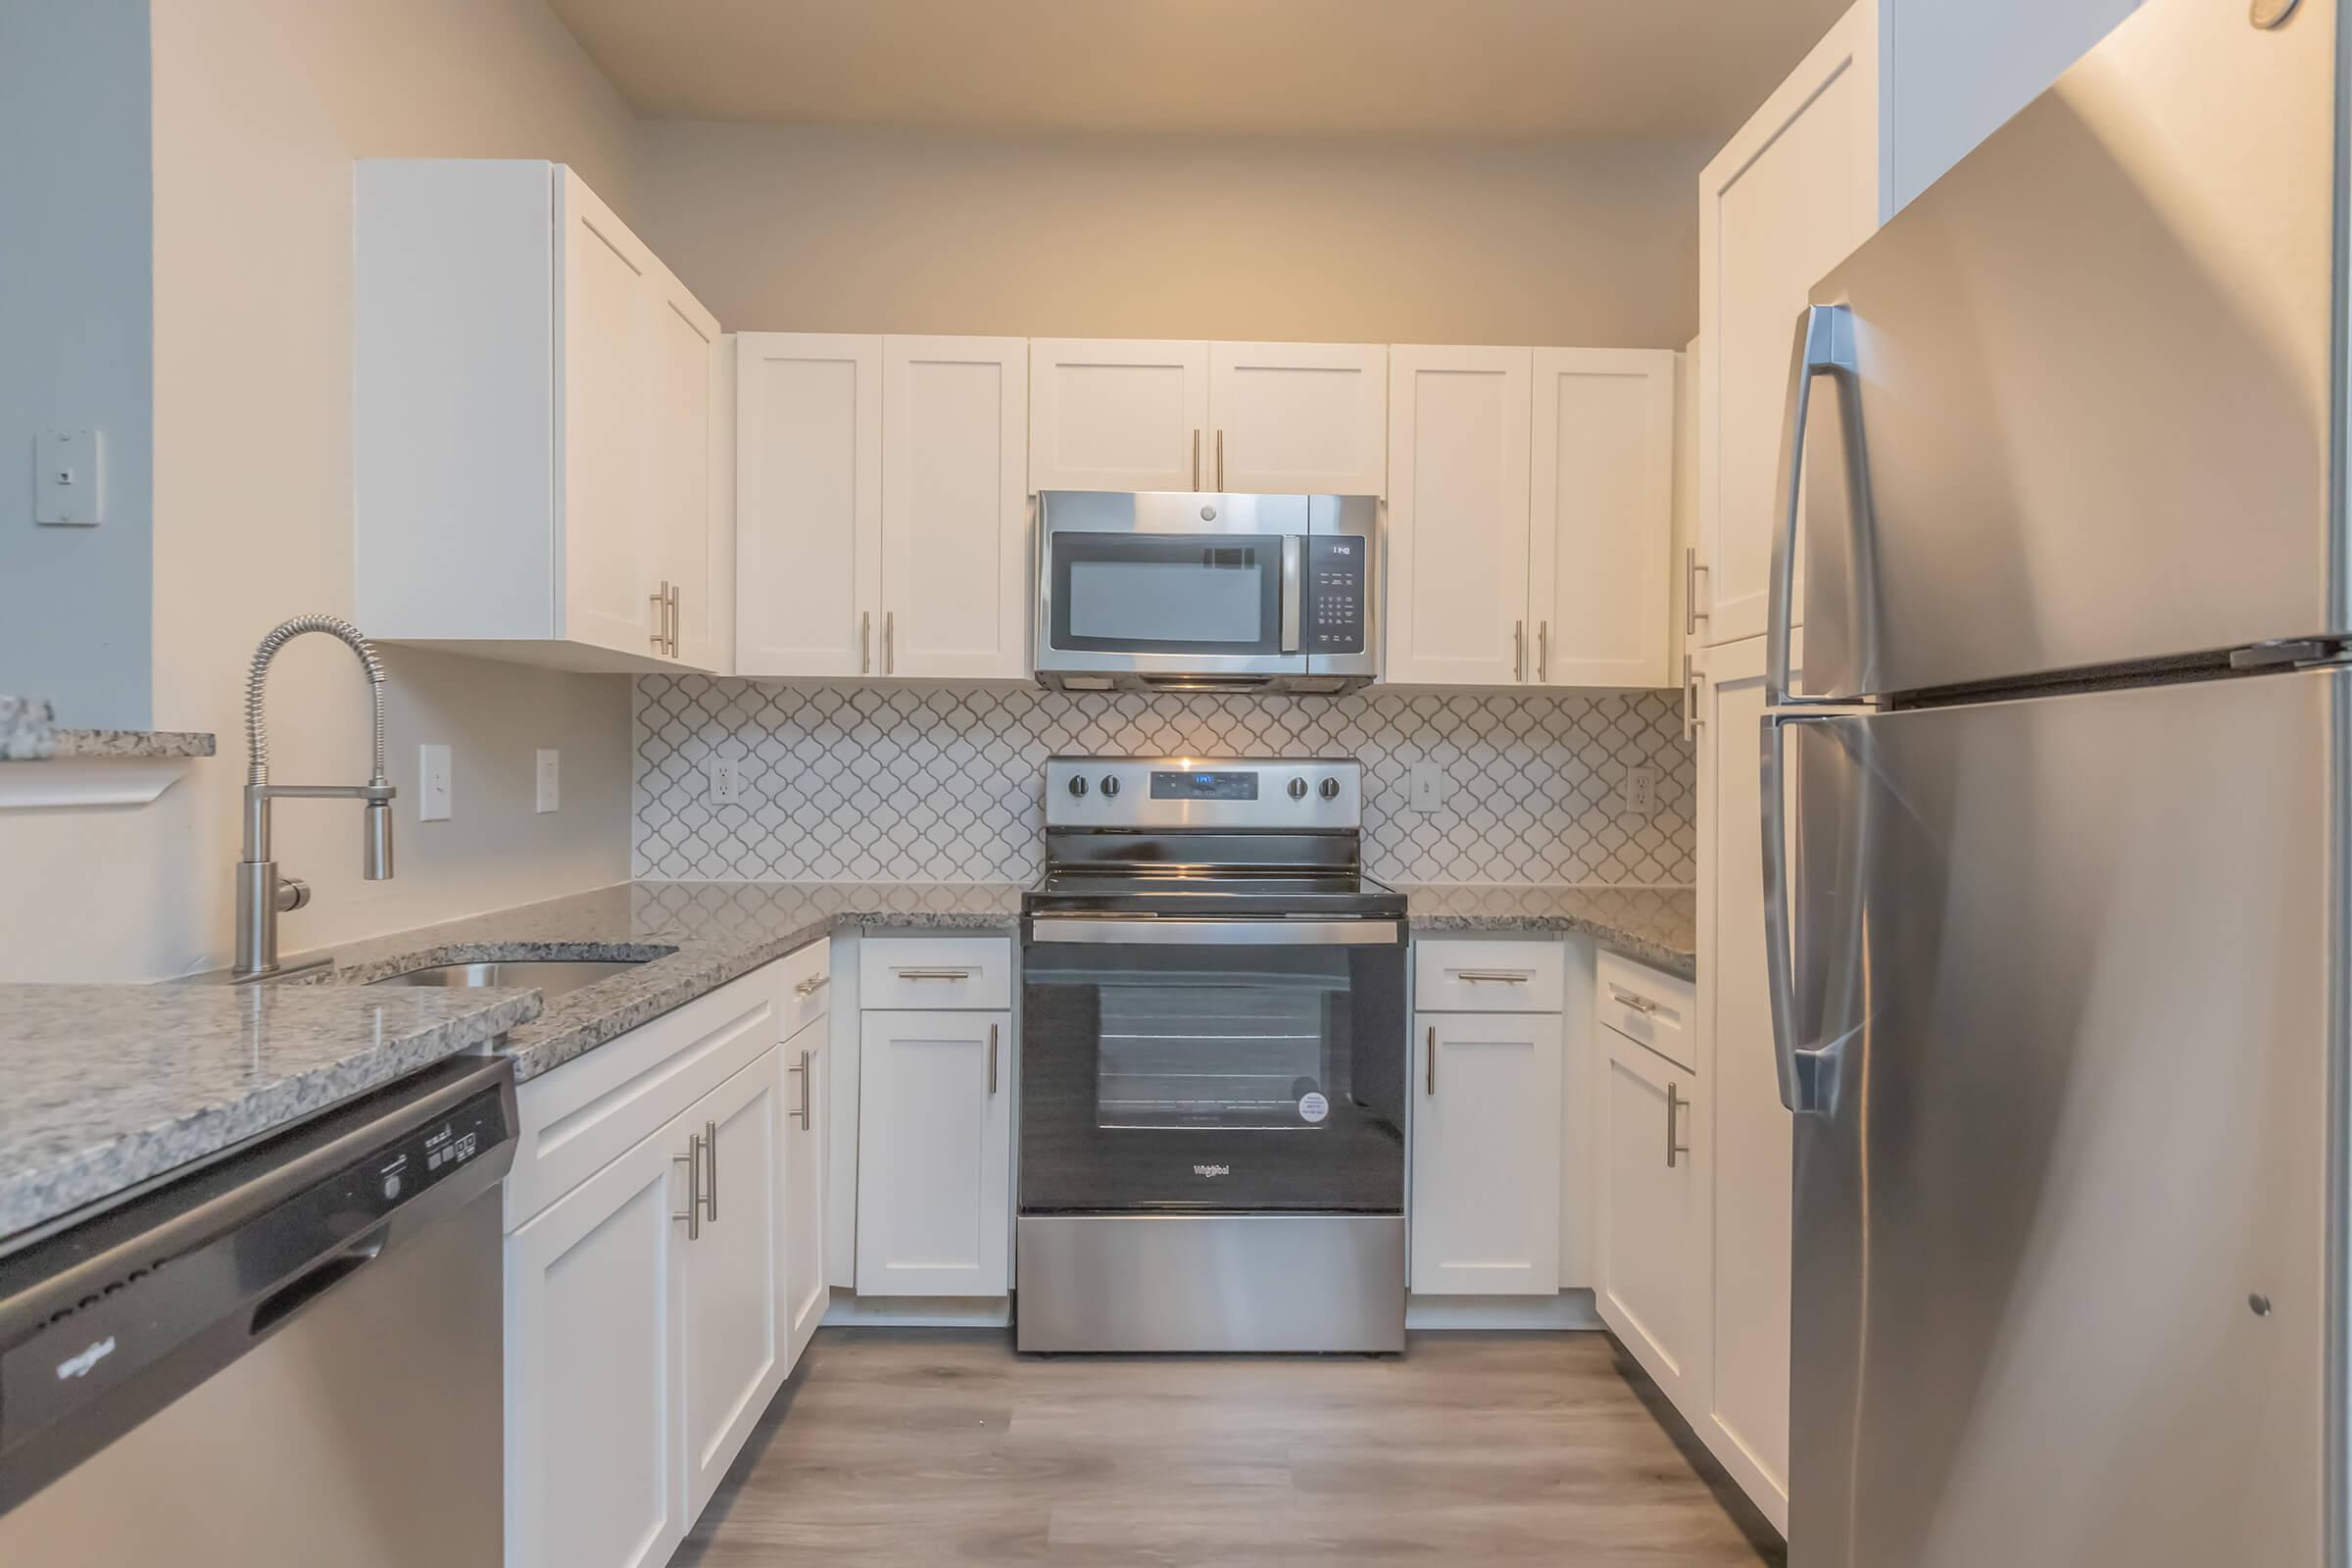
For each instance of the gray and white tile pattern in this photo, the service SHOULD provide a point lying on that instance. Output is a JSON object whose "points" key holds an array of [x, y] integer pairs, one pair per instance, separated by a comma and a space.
{"points": [[902, 784]]}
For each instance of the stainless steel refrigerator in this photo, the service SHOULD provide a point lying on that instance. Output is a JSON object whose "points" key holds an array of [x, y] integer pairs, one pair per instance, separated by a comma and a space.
{"points": [[2055, 830]]}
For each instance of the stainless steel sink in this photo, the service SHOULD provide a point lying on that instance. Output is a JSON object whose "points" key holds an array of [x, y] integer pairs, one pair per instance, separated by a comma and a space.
{"points": [[551, 976]]}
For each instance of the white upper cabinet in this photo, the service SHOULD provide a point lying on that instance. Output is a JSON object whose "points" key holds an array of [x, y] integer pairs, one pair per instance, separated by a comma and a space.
{"points": [[1279, 418], [955, 508], [1788, 199], [809, 503], [882, 507], [534, 420], [1297, 418], [1603, 517], [1117, 414], [1457, 574]]}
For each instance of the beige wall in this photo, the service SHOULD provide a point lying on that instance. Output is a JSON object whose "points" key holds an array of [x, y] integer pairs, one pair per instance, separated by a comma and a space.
{"points": [[819, 230], [260, 107]]}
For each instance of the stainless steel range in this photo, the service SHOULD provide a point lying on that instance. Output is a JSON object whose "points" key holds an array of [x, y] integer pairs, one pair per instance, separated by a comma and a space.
{"points": [[1212, 1064]]}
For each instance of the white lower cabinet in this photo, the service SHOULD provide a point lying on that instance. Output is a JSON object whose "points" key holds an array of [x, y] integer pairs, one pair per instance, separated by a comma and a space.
{"points": [[805, 1293], [934, 1153], [595, 1332], [665, 1254], [1650, 1186], [1487, 1149], [734, 1268]]}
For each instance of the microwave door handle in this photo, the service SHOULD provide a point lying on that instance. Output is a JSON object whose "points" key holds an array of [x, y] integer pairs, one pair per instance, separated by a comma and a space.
{"points": [[1291, 592]]}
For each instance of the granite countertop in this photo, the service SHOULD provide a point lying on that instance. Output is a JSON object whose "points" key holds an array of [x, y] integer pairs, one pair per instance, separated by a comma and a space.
{"points": [[108, 1086], [29, 733], [1659, 926], [696, 936]]}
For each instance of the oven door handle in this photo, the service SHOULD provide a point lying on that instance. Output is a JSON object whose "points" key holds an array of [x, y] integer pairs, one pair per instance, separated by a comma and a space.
{"points": [[1163, 931]]}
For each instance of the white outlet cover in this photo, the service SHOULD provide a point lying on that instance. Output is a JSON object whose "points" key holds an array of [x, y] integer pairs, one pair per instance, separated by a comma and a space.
{"points": [[432, 783], [1639, 797], [69, 477], [546, 773], [726, 781], [1429, 787]]}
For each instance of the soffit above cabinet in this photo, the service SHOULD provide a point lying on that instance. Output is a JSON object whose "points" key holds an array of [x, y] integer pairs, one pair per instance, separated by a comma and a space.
{"points": [[1502, 69]]}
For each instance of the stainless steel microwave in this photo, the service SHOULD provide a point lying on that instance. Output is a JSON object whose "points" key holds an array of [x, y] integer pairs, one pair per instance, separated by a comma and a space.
{"points": [[1167, 590]]}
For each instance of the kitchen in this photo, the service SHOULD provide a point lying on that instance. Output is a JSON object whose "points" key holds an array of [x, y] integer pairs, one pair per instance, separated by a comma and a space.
{"points": [[1146, 937]]}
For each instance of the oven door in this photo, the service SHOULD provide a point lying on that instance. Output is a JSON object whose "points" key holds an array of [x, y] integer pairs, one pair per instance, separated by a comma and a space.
{"points": [[1202, 1065]]}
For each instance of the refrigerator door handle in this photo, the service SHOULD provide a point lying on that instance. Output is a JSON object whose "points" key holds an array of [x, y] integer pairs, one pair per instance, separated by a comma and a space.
{"points": [[1825, 346], [1805, 1072]]}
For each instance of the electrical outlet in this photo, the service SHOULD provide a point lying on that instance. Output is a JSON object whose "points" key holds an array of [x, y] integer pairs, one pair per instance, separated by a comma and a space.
{"points": [[1639, 797], [726, 781], [549, 764], [432, 784], [68, 478], [1429, 787]]}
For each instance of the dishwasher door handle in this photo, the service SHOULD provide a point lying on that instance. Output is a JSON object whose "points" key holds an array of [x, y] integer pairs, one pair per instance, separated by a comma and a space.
{"points": [[312, 1283]]}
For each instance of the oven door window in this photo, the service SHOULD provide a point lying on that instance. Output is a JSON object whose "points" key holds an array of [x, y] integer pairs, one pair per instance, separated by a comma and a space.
{"points": [[1244, 1077], [1168, 593]]}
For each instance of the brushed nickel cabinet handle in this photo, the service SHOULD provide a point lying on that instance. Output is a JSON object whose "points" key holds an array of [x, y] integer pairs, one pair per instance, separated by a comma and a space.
{"points": [[1691, 613], [691, 1159], [890, 626], [1692, 717], [1429, 1063], [1519, 650], [1633, 999], [992, 1058], [1196, 458], [908, 973], [1542, 650], [677, 621], [710, 1158], [659, 599], [1505, 977], [1674, 1105], [1220, 460], [866, 642], [810, 985], [804, 1113]]}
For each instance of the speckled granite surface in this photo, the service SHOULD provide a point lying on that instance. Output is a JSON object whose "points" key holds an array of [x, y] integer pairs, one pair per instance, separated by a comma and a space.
{"points": [[697, 935], [29, 733], [104, 1087], [1658, 926], [134, 743]]}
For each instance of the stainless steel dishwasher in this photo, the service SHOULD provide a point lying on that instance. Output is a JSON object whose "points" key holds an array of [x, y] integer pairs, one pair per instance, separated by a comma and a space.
{"points": [[290, 1356]]}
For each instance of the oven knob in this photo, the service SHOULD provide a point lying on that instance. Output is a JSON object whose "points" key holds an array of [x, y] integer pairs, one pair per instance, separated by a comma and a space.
{"points": [[1110, 785], [1077, 785], [1330, 790], [1297, 789]]}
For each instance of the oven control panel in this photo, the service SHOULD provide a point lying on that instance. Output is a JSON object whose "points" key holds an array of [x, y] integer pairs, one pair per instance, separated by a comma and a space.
{"points": [[1323, 793]]}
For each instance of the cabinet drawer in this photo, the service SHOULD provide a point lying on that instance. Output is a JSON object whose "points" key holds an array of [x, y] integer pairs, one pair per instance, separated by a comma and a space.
{"points": [[587, 1114], [1487, 976], [1645, 1006], [904, 974], [808, 985]]}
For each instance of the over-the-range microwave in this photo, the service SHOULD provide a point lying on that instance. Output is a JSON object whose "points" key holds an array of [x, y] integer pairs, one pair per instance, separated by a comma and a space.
{"points": [[1171, 591]]}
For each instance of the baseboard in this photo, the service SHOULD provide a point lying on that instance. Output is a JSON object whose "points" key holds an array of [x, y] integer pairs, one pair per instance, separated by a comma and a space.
{"points": [[848, 1308], [1567, 1311]]}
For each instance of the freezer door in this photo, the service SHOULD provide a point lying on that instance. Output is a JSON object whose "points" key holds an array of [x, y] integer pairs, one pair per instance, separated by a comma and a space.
{"points": [[2093, 374], [2062, 1285]]}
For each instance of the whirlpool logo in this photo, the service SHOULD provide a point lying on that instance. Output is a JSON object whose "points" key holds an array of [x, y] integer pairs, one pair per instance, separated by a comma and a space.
{"points": [[1212, 1171]]}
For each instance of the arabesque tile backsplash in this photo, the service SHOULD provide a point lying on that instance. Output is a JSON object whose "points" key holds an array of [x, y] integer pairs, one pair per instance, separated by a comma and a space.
{"points": [[898, 784]]}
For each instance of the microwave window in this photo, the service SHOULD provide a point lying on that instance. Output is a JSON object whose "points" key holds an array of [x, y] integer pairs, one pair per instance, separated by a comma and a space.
{"points": [[1213, 595]]}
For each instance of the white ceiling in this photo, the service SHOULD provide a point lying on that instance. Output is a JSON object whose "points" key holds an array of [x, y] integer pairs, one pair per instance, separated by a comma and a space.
{"points": [[1500, 69]]}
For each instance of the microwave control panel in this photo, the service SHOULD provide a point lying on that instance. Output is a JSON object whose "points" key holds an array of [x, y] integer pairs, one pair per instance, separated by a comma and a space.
{"points": [[1331, 601]]}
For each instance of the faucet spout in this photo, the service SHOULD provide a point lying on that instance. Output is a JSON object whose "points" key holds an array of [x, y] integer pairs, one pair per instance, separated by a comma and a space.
{"points": [[261, 894]]}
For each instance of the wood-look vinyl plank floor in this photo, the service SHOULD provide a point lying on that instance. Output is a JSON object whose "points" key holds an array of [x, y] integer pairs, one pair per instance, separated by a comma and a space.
{"points": [[922, 1446]]}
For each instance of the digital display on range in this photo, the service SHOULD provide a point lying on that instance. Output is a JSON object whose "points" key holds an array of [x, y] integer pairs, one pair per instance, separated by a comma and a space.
{"points": [[1171, 786]]}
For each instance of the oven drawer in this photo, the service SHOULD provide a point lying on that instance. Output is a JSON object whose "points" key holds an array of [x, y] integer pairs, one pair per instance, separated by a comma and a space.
{"points": [[914, 973], [1488, 976], [1643, 1005]]}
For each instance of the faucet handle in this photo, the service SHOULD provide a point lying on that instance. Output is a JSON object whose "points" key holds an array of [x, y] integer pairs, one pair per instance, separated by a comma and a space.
{"points": [[293, 893]]}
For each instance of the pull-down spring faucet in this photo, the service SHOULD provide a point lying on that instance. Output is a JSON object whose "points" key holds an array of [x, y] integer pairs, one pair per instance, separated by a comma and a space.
{"points": [[261, 894]]}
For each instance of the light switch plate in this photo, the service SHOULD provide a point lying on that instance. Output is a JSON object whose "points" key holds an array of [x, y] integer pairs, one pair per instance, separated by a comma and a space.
{"points": [[69, 477], [432, 783], [1639, 797], [549, 763], [1429, 787], [726, 781]]}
